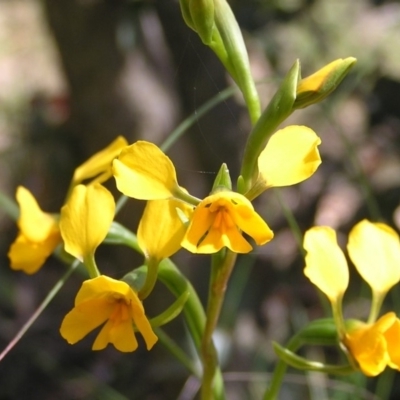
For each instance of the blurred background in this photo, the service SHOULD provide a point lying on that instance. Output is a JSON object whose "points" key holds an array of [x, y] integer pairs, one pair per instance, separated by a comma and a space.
{"points": [[74, 74]]}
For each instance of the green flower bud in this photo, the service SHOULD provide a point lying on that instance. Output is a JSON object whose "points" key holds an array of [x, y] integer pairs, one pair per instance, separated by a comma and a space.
{"points": [[319, 85]]}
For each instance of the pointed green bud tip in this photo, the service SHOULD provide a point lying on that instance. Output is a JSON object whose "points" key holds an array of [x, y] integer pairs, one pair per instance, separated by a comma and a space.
{"points": [[319, 85], [199, 16], [222, 180]]}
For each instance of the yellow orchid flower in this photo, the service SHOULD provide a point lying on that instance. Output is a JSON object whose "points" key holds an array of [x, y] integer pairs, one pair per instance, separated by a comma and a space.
{"points": [[290, 156], [99, 166], [86, 219], [374, 249], [161, 229], [218, 221], [106, 300], [375, 346], [38, 235]]}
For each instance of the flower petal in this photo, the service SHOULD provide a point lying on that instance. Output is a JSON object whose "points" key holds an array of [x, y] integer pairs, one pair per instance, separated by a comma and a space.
{"points": [[85, 317], [143, 324], [100, 163], [33, 222], [160, 229], [29, 256], [326, 265], [120, 333], [144, 172], [374, 249], [86, 219], [290, 157], [392, 336]]}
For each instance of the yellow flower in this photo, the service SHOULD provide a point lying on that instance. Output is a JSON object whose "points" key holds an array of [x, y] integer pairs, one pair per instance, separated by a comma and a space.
{"points": [[99, 165], [161, 230], [376, 346], [144, 172], [374, 249], [218, 221], [106, 300], [38, 235], [290, 156], [86, 219]]}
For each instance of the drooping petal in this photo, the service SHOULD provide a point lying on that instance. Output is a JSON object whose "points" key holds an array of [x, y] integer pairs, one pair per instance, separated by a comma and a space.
{"points": [[199, 225], [100, 164], [249, 221], [35, 224], [374, 249], [84, 318], [118, 331], [160, 229], [368, 345], [290, 157], [143, 324], [326, 265], [29, 256], [86, 219], [144, 172]]}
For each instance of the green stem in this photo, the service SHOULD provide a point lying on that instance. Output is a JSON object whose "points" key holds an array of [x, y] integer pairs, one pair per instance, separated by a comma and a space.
{"points": [[9, 206], [151, 277], [177, 352], [91, 266], [222, 266], [193, 311], [377, 300], [277, 377], [50, 296]]}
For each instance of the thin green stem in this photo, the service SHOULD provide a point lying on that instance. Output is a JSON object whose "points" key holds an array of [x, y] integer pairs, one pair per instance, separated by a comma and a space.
{"points": [[222, 266], [194, 314], [151, 277], [377, 301], [279, 373], [50, 296], [91, 266], [9, 206], [177, 352]]}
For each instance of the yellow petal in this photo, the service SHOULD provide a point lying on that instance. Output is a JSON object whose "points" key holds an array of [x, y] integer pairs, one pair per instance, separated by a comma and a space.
{"points": [[392, 336], [84, 318], [30, 256], [86, 219], [35, 225], [102, 286], [374, 249], [143, 324], [160, 229], [119, 333], [326, 265], [144, 172], [100, 163], [369, 347], [290, 157]]}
